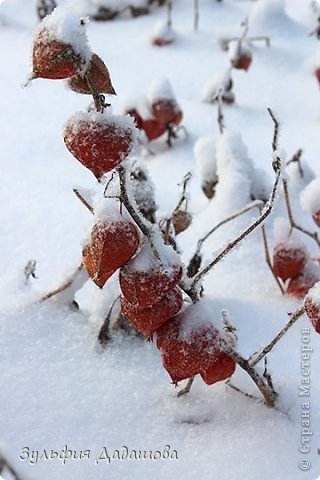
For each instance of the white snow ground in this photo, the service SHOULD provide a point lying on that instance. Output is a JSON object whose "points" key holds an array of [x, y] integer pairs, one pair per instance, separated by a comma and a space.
{"points": [[57, 386]]}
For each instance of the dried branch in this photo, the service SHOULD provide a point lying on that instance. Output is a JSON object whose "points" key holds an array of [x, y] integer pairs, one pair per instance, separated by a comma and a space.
{"points": [[104, 334], [64, 286], [167, 222], [251, 206], [187, 388], [276, 130], [293, 223], [4, 464], [196, 15], [224, 41], [294, 318], [245, 24], [117, 323], [297, 159], [313, 235], [268, 393], [30, 270], [268, 258], [124, 198], [169, 13], [237, 389], [276, 164], [82, 200], [265, 213], [220, 117]]}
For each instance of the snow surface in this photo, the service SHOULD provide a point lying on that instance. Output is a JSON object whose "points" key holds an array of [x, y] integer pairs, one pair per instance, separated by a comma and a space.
{"points": [[57, 385]]}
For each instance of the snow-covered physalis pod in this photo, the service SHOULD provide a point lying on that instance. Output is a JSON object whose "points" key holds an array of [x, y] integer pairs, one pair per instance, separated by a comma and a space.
{"points": [[96, 79], [148, 320], [290, 254], [240, 56], [190, 344], [100, 141], [312, 306], [114, 240], [288, 260], [164, 105], [144, 280], [153, 129], [167, 110], [60, 47], [301, 284]]}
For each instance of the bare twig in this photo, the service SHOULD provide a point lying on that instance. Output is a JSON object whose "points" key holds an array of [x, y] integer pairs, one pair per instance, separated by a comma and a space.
{"points": [[166, 223], [30, 270], [187, 388], [220, 117], [268, 394], [64, 286], [294, 318], [85, 203], [228, 325], [276, 164], [5, 465], [293, 223], [133, 213], [237, 389], [265, 213], [251, 206], [104, 334], [116, 324], [297, 159], [196, 15], [224, 41], [169, 13], [276, 130], [268, 258]]}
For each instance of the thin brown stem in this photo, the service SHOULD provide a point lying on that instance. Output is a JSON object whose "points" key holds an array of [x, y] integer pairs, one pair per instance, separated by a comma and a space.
{"points": [[5, 465], [251, 206], [187, 388], [196, 15], [297, 159], [276, 164], [294, 318], [64, 286], [83, 200], [237, 389], [220, 116], [293, 223], [185, 181], [265, 213], [276, 130], [136, 217], [104, 334], [224, 41], [268, 394], [116, 324], [268, 258], [169, 13]]}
